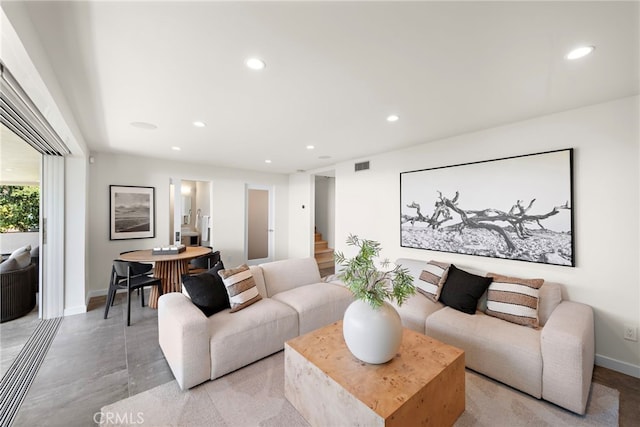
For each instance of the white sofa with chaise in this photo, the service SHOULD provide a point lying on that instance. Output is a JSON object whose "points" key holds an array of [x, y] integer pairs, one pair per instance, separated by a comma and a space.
{"points": [[553, 362], [294, 301]]}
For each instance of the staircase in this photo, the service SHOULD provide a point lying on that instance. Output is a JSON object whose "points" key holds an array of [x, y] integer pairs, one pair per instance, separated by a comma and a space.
{"points": [[324, 256]]}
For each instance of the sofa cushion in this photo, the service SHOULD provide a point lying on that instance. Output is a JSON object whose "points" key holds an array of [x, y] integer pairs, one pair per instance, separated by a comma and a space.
{"points": [[20, 258], [280, 276], [21, 250], [238, 339], [431, 279], [317, 304], [550, 297], [462, 290], [502, 350], [415, 267], [415, 310], [240, 286], [514, 299], [207, 291], [258, 278], [11, 264]]}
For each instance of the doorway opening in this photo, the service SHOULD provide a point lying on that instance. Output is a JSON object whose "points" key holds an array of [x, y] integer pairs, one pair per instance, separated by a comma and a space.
{"points": [[190, 207], [324, 222]]}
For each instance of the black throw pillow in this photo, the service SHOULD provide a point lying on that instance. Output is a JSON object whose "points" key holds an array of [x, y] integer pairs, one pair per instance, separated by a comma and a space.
{"points": [[462, 290], [207, 290]]}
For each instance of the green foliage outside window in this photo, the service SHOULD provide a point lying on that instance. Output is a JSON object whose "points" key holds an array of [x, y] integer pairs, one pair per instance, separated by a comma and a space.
{"points": [[19, 208]]}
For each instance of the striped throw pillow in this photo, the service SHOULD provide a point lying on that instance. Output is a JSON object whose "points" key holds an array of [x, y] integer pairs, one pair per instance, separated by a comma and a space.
{"points": [[432, 278], [240, 286], [514, 300]]}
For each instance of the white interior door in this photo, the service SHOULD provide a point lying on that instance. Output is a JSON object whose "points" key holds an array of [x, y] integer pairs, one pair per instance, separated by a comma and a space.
{"points": [[259, 229]]}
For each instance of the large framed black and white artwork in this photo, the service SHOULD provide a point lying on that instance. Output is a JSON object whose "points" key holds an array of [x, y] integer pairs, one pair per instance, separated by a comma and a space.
{"points": [[518, 208], [132, 212]]}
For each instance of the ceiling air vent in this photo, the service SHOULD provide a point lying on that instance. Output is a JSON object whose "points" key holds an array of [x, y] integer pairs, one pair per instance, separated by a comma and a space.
{"points": [[362, 166]]}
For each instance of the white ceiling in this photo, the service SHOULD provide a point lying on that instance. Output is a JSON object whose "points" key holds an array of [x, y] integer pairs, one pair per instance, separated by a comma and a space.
{"points": [[334, 71]]}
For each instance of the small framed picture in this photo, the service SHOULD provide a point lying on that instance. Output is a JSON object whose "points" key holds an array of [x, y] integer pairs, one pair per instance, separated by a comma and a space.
{"points": [[132, 212]]}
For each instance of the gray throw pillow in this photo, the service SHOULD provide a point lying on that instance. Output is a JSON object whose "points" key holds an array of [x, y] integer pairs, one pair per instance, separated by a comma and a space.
{"points": [[9, 265], [23, 259], [23, 249]]}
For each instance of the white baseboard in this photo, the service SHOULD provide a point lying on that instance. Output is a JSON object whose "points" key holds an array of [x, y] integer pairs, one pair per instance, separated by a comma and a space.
{"points": [[618, 365], [78, 309]]}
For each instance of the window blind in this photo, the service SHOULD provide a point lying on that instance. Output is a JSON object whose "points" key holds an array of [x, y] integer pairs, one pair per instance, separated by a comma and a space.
{"points": [[20, 114]]}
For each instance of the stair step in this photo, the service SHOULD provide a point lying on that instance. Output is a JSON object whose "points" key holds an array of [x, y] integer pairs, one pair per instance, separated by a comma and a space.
{"points": [[321, 244], [324, 251], [317, 236], [325, 264], [324, 254], [325, 258]]}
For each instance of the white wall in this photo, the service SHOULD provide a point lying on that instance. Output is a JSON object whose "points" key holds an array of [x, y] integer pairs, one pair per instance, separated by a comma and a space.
{"points": [[9, 242], [228, 214], [301, 215], [606, 197]]}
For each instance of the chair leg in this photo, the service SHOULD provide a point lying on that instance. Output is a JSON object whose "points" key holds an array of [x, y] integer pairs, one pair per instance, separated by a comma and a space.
{"points": [[108, 304], [128, 305], [110, 294], [115, 290], [141, 292]]}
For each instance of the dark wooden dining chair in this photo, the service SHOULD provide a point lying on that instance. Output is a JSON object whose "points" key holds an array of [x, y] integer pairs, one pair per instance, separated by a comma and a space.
{"points": [[203, 263], [126, 276]]}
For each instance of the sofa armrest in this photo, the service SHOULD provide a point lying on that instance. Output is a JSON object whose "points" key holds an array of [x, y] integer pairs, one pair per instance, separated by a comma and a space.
{"points": [[183, 334], [568, 346]]}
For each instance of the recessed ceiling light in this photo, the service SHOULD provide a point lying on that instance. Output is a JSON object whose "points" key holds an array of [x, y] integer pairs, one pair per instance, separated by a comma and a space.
{"points": [[310, 147], [580, 52], [393, 118], [143, 125], [199, 124], [255, 63], [267, 161], [174, 148]]}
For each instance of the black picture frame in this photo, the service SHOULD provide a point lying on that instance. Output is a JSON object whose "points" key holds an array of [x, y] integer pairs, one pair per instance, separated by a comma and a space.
{"points": [[131, 212], [518, 208]]}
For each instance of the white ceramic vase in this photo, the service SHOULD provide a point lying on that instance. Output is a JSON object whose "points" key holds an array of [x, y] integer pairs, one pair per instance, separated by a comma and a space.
{"points": [[373, 335]]}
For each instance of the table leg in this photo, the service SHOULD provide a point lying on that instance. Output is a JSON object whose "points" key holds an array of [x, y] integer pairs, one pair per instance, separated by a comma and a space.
{"points": [[171, 274]]}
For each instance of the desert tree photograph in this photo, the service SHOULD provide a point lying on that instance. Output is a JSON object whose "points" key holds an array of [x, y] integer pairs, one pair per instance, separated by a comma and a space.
{"points": [[517, 208]]}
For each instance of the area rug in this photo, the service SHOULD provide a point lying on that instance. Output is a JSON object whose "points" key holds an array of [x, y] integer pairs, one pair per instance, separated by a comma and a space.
{"points": [[254, 396]]}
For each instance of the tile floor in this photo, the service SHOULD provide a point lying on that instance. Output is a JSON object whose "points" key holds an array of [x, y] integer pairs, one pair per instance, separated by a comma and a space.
{"points": [[93, 362], [13, 335]]}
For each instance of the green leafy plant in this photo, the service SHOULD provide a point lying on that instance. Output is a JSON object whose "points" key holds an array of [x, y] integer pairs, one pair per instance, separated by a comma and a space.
{"points": [[369, 283], [19, 208]]}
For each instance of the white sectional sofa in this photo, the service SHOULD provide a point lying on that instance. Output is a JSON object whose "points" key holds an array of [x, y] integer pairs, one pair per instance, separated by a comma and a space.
{"points": [[294, 301], [553, 362]]}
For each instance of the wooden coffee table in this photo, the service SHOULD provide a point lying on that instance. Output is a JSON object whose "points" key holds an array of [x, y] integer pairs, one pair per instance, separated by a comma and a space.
{"points": [[422, 385]]}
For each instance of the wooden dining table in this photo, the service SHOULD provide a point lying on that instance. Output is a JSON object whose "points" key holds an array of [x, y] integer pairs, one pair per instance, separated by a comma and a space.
{"points": [[169, 268]]}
